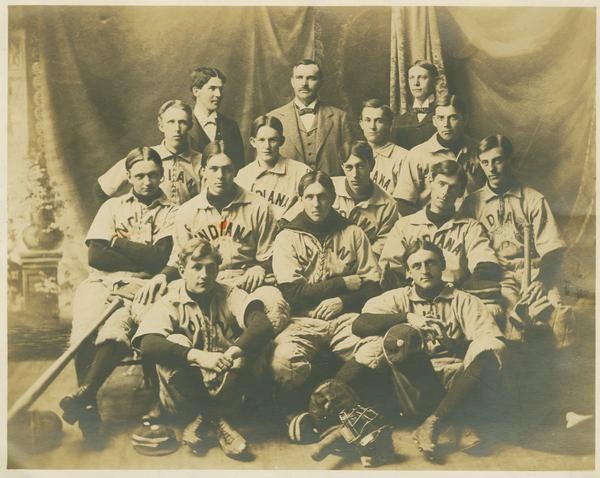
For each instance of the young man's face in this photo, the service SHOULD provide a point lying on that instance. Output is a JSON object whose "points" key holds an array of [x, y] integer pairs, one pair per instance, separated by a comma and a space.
{"points": [[358, 174], [420, 82], [374, 126], [266, 143], [174, 123], [425, 269], [210, 94], [200, 276], [317, 202], [495, 166], [218, 175], [445, 190], [145, 177], [448, 122], [306, 81]]}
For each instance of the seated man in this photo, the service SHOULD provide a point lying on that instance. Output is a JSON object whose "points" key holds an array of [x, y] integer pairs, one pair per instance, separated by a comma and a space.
{"points": [[446, 340], [505, 208], [180, 163], [471, 263], [128, 242], [326, 270], [208, 341], [449, 143], [270, 175], [360, 200], [240, 224], [376, 121]]}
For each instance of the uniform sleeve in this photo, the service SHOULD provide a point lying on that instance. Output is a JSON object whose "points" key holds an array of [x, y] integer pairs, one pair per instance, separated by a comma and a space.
{"points": [[243, 179], [475, 319], [113, 179], [547, 236], [386, 303], [478, 247], [388, 218], [411, 179], [181, 234], [366, 262], [159, 319], [393, 248], [286, 262], [165, 225], [103, 226], [265, 226], [236, 302]]}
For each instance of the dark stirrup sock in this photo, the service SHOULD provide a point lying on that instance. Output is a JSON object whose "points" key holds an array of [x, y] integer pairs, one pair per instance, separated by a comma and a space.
{"points": [[352, 373], [108, 356]]}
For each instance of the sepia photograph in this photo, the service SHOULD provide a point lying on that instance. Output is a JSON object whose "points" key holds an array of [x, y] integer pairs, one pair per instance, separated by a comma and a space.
{"points": [[309, 237]]}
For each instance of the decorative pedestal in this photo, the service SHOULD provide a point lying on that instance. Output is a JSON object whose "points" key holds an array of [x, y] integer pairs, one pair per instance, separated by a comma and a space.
{"points": [[40, 287]]}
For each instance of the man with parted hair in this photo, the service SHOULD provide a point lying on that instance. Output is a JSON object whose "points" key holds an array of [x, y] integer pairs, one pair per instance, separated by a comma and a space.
{"points": [[450, 142], [180, 162], [375, 121], [362, 201], [208, 123], [316, 133]]}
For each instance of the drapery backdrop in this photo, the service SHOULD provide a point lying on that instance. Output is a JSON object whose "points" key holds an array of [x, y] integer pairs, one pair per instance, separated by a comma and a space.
{"points": [[104, 71]]}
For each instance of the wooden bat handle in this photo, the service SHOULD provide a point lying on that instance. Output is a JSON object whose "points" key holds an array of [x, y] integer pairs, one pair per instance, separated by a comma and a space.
{"points": [[527, 255], [42, 383]]}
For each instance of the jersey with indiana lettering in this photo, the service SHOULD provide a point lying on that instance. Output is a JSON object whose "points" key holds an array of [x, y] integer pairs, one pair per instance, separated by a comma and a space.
{"points": [[243, 231], [181, 175], [415, 178], [504, 216], [128, 218], [299, 255], [375, 215], [463, 240], [278, 185], [388, 165]]}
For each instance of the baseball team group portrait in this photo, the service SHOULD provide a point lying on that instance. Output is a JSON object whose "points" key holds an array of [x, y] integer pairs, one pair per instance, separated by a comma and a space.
{"points": [[309, 237]]}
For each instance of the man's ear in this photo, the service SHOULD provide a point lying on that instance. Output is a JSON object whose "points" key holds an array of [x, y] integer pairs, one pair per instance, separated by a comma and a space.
{"points": [[159, 124], [252, 142], [195, 91], [281, 140], [180, 268]]}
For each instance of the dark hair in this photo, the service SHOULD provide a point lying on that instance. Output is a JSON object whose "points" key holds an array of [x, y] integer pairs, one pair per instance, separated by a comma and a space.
{"points": [[197, 248], [496, 141], [266, 120], [452, 100], [307, 61], [316, 177], [388, 114], [426, 65], [143, 153], [362, 150], [213, 149], [419, 244], [448, 167], [179, 105], [202, 75]]}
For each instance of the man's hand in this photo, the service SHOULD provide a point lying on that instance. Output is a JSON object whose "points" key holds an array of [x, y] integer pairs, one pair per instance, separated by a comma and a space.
{"points": [[328, 309], [236, 355], [214, 361], [353, 282], [532, 293], [153, 289], [252, 278]]}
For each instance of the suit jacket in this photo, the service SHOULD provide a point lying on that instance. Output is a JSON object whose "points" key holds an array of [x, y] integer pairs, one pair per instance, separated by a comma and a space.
{"points": [[410, 131], [333, 137], [228, 131]]}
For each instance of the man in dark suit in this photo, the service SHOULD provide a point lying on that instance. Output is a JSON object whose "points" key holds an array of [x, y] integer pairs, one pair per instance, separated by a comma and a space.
{"points": [[316, 133], [415, 126], [209, 125]]}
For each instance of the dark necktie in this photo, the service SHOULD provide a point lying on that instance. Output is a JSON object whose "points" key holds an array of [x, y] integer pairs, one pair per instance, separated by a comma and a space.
{"points": [[306, 111], [423, 111]]}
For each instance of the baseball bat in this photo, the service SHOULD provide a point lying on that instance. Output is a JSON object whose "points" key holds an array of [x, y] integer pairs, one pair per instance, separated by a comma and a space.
{"points": [[527, 255], [42, 383]]}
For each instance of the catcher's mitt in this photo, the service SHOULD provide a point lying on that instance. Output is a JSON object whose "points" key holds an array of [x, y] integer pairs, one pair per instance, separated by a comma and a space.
{"points": [[328, 400]]}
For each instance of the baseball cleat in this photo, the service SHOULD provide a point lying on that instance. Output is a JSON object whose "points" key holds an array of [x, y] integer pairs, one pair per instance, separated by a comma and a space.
{"points": [[425, 436], [194, 435], [232, 443]]}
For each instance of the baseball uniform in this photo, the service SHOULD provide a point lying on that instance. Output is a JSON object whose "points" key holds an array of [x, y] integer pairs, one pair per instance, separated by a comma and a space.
{"points": [[300, 257], [243, 231], [124, 217], [388, 163], [463, 240], [413, 185], [278, 185], [181, 175], [459, 314], [375, 216]]}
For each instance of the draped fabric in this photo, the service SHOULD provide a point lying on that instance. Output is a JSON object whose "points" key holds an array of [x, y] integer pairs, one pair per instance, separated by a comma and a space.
{"points": [[415, 36]]}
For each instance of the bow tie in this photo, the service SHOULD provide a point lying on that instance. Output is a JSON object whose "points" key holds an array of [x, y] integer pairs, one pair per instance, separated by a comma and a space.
{"points": [[423, 111], [306, 111]]}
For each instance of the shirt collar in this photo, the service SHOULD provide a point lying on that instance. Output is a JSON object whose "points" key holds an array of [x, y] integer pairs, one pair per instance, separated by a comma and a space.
{"points": [[432, 145], [385, 150], [279, 168], [240, 198], [425, 104], [180, 294], [515, 190], [165, 153], [420, 218], [160, 200], [202, 117], [447, 294], [301, 105], [376, 199]]}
